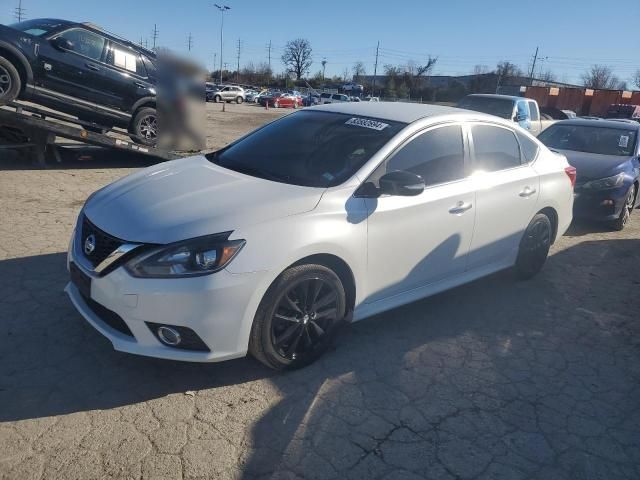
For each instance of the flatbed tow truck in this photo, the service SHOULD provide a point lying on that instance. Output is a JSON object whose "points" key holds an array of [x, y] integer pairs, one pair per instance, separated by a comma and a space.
{"points": [[33, 129]]}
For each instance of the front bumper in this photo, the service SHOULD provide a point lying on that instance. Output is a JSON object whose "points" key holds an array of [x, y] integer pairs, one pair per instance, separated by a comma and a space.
{"points": [[602, 205], [219, 308]]}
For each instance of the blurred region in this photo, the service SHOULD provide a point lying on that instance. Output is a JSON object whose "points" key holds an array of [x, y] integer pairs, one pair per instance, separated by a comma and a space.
{"points": [[181, 103]]}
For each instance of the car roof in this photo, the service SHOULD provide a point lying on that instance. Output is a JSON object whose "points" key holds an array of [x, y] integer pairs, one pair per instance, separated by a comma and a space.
{"points": [[398, 111], [593, 122], [498, 96]]}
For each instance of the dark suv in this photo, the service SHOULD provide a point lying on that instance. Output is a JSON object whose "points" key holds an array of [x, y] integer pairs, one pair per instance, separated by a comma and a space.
{"points": [[79, 69]]}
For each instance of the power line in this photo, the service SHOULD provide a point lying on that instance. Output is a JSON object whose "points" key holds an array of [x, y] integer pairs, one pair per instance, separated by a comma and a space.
{"points": [[238, 70], [155, 35], [269, 54], [19, 12], [375, 69]]}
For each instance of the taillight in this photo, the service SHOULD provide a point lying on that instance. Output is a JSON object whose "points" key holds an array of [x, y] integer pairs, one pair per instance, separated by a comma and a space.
{"points": [[571, 173]]}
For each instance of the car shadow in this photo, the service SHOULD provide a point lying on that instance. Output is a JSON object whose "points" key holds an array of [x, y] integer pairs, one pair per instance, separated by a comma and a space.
{"points": [[77, 157], [445, 384]]}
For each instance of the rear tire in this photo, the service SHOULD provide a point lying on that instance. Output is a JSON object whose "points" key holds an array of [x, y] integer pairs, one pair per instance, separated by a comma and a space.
{"points": [[627, 208], [144, 127], [239, 100], [10, 83], [534, 247], [298, 318]]}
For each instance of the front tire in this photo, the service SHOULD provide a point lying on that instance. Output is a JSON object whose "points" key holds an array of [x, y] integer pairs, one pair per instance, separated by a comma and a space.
{"points": [[534, 247], [217, 99], [10, 83], [298, 317], [627, 208]]}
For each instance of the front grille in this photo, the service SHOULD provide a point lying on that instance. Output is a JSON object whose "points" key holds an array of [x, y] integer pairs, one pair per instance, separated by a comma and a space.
{"points": [[105, 244], [109, 317]]}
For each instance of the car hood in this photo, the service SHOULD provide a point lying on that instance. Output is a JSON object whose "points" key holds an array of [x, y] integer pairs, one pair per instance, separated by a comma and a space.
{"points": [[189, 198], [590, 166]]}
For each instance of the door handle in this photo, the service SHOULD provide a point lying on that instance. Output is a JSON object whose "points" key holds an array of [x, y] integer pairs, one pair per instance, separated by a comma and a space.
{"points": [[527, 192], [460, 208], [93, 67]]}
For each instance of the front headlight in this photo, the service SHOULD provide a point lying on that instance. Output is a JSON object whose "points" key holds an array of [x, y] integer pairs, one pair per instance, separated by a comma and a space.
{"points": [[605, 183], [189, 258]]}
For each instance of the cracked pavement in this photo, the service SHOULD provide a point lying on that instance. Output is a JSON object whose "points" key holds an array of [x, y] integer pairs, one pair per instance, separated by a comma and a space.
{"points": [[494, 380]]}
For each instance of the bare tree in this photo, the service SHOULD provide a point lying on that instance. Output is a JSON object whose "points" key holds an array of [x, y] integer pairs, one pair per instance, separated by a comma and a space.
{"points": [[297, 57], [358, 70], [480, 70], [636, 78], [600, 77], [547, 76], [506, 69], [427, 67]]}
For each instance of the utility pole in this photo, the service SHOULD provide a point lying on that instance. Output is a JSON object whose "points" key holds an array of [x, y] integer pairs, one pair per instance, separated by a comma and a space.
{"points": [[222, 9], [215, 57], [533, 67], [155, 35], [238, 70], [269, 54], [19, 12], [375, 69], [324, 64], [189, 41]]}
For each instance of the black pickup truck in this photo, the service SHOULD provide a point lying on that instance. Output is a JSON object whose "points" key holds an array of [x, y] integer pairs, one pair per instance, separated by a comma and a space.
{"points": [[81, 70]]}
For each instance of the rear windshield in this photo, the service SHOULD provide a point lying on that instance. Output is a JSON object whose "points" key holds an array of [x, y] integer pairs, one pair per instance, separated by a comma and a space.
{"points": [[36, 27], [500, 107], [313, 149], [581, 138]]}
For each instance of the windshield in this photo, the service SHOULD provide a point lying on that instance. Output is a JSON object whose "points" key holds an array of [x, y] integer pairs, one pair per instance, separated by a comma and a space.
{"points": [[313, 149], [500, 107], [582, 138], [36, 27]]}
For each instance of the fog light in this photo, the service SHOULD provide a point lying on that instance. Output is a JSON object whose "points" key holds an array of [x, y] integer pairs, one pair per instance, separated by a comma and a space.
{"points": [[607, 203], [169, 336]]}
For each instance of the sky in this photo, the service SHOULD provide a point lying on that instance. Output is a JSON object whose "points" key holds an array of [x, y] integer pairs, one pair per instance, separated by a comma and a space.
{"points": [[571, 34]]}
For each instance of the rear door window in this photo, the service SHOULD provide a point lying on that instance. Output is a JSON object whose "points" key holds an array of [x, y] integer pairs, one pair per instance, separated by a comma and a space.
{"points": [[125, 59], [528, 146], [495, 148]]}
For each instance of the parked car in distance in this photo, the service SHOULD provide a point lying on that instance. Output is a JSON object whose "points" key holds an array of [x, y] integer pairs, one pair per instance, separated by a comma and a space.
{"points": [[552, 113], [262, 94], [371, 99], [311, 100], [210, 90], [283, 100], [606, 156], [334, 98], [353, 87], [631, 112], [81, 70], [229, 93], [523, 111], [371, 207], [250, 95], [354, 99]]}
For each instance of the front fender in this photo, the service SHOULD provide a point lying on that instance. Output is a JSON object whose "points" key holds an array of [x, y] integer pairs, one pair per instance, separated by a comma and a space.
{"points": [[20, 57]]}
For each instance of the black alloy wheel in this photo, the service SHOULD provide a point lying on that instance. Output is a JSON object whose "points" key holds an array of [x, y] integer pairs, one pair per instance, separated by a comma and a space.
{"points": [[298, 318], [304, 315], [534, 247], [627, 208]]}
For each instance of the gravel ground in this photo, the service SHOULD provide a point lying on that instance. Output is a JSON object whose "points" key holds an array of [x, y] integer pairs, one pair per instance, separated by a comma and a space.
{"points": [[497, 379]]}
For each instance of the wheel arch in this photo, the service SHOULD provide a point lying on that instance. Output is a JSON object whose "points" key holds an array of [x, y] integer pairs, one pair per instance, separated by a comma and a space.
{"points": [[19, 61], [339, 267], [552, 215], [142, 103]]}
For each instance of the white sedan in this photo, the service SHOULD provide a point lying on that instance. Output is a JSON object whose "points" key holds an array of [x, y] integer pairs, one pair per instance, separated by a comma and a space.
{"points": [[267, 246]]}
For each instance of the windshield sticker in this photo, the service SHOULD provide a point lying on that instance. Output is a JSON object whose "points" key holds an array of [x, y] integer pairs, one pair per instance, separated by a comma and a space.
{"points": [[366, 123], [624, 141]]}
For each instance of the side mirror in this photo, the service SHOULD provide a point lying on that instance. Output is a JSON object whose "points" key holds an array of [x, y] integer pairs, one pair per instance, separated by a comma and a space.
{"points": [[62, 43], [401, 183]]}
